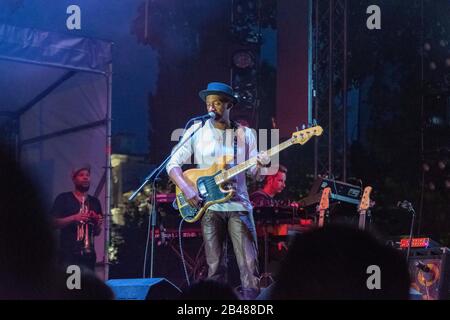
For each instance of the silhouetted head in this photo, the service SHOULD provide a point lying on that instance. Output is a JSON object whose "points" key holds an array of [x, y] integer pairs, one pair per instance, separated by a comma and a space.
{"points": [[340, 262], [27, 246], [209, 290]]}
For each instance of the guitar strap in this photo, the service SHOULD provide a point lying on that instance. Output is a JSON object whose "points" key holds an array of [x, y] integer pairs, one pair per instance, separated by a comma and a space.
{"points": [[236, 127], [235, 148]]}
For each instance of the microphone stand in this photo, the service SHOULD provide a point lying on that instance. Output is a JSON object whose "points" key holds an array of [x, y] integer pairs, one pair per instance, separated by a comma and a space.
{"points": [[408, 206], [152, 177]]}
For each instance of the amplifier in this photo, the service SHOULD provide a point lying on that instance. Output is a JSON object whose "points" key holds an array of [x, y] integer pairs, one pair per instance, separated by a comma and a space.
{"points": [[340, 191], [174, 234], [165, 197], [403, 243], [430, 273]]}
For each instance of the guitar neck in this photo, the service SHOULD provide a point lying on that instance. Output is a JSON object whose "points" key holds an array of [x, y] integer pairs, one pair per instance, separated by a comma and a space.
{"points": [[230, 173], [362, 219], [321, 217]]}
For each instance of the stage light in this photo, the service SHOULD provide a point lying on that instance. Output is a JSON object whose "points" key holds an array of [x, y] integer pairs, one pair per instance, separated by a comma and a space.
{"points": [[436, 121], [431, 186], [426, 167], [442, 164], [247, 97], [433, 65], [244, 59], [427, 46], [447, 183]]}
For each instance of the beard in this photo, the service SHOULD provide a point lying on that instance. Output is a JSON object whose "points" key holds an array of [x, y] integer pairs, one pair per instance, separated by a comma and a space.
{"points": [[82, 188]]}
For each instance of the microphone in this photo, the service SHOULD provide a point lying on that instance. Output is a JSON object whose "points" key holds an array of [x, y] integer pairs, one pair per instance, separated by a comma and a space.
{"points": [[405, 205], [427, 273], [422, 266], [207, 116]]}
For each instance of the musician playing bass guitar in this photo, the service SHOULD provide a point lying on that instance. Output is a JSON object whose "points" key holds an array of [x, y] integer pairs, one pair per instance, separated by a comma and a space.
{"points": [[219, 136]]}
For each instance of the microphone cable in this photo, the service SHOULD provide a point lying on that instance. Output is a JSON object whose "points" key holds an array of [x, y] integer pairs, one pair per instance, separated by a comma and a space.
{"points": [[153, 210], [180, 242]]}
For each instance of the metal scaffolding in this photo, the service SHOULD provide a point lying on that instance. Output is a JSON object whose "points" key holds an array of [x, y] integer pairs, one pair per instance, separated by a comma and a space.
{"points": [[329, 28], [244, 71]]}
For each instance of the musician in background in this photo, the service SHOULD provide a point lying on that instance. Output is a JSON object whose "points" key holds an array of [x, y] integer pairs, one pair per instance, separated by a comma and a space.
{"points": [[233, 217], [273, 185], [266, 199], [79, 217]]}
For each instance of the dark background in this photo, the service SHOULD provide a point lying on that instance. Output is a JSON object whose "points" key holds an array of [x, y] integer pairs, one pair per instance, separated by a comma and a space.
{"points": [[398, 110]]}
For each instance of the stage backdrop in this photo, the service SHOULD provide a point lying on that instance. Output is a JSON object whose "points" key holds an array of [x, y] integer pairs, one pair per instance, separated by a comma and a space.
{"points": [[292, 65], [58, 90]]}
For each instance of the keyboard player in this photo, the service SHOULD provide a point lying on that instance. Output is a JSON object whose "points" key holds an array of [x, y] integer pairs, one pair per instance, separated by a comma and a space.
{"points": [[266, 199], [273, 185]]}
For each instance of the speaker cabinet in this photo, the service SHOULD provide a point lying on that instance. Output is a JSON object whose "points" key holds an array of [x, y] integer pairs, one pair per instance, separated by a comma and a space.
{"points": [[143, 289], [430, 273]]}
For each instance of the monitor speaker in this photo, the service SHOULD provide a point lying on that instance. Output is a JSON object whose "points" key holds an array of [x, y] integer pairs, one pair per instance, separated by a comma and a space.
{"points": [[430, 273], [143, 289]]}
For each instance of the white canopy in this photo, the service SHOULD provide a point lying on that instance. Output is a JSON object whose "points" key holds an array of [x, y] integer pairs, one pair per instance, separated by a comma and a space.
{"points": [[58, 89]]}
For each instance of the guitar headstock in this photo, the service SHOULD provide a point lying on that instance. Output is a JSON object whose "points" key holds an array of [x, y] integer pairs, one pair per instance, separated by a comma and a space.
{"points": [[365, 202], [302, 136], [325, 199]]}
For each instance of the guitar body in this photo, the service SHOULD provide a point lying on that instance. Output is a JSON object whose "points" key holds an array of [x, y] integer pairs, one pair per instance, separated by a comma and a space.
{"points": [[211, 183], [211, 193]]}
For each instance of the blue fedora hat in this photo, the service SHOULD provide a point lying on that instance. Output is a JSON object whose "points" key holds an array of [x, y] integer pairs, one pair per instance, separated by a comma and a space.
{"points": [[218, 88]]}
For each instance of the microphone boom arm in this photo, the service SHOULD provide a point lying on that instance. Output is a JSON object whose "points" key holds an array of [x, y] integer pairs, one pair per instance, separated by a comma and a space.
{"points": [[155, 173]]}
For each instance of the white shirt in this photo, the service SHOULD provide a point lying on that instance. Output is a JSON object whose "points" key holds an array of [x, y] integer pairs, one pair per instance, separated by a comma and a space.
{"points": [[209, 143]]}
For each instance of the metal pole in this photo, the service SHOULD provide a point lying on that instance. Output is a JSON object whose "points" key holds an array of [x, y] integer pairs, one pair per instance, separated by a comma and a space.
{"points": [[310, 62], [422, 146], [107, 228], [330, 91], [411, 233], [146, 21], [344, 100], [17, 142], [316, 85], [153, 226]]}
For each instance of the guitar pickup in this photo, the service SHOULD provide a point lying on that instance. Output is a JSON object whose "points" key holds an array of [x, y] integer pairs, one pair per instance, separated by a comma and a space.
{"points": [[203, 192], [181, 199]]}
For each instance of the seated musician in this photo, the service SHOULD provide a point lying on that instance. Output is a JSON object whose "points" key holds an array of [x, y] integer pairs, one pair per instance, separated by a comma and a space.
{"points": [[267, 198], [273, 185]]}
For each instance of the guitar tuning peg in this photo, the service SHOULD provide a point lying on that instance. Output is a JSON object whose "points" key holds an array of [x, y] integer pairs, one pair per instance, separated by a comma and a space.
{"points": [[303, 127], [296, 129], [314, 123]]}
